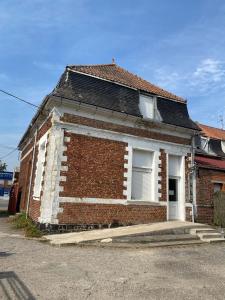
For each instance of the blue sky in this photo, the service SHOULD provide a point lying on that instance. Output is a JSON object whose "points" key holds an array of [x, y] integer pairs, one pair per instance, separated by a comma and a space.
{"points": [[178, 45]]}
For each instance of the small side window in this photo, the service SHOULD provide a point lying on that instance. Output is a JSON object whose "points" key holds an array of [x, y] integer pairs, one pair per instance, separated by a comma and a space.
{"points": [[146, 105], [217, 187]]}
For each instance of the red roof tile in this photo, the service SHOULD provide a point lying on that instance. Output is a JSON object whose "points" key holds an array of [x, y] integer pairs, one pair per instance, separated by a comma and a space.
{"points": [[210, 162], [212, 132], [117, 74]]}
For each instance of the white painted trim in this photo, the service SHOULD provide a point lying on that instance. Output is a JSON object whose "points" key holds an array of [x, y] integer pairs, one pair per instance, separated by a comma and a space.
{"points": [[108, 201], [26, 154], [129, 171], [218, 181], [131, 121], [124, 137], [40, 166]]}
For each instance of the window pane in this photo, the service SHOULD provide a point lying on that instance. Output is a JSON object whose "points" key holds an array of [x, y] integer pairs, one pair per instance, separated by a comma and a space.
{"points": [[141, 185], [217, 187], [146, 106], [142, 159]]}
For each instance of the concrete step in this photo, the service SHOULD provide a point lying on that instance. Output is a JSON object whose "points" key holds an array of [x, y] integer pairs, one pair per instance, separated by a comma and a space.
{"points": [[202, 230], [155, 238], [210, 235], [144, 245], [213, 240]]}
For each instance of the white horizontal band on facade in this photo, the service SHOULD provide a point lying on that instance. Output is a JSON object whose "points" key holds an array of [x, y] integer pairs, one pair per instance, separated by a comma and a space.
{"points": [[109, 201], [169, 147], [131, 122]]}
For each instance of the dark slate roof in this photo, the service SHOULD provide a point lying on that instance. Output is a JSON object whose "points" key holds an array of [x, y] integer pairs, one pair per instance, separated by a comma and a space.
{"points": [[116, 74], [100, 93], [109, 95], [175, 113], [216, 147]]}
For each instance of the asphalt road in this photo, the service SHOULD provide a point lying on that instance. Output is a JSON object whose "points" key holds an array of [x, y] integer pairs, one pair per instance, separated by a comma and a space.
{"points": [[33, 270], [3, 204]]}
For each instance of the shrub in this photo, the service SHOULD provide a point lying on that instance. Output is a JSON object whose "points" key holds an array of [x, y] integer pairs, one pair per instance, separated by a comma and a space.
{"points": [[22, 222]]}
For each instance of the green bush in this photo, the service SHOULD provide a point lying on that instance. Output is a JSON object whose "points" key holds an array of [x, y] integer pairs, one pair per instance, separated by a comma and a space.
{"points": [[22, 222]]}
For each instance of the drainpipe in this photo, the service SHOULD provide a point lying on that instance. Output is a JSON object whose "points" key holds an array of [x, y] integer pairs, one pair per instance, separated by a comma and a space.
{"points": [[193, 178], [31, 175]]}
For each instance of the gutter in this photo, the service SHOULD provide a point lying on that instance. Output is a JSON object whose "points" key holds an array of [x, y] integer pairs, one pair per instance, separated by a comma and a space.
{"points": [[33, 120]]}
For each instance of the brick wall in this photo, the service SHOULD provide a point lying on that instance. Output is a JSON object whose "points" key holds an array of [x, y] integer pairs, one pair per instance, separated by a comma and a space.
{"points": [[204, 193], [124, 129], [74, 213], [24, 179], [25, 173], [95, 168], [34, 209]]}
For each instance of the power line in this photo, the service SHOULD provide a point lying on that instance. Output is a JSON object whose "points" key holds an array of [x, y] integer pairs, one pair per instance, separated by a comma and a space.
{"points": [[20, 99], [6, 147], [11, 152]]}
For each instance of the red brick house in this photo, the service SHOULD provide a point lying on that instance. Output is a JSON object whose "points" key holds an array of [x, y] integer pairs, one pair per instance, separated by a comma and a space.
{"points": [[107, 148], [210, 170]]}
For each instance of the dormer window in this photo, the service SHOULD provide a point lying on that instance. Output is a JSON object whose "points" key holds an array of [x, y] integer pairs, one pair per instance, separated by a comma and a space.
{"points": [[146, 105]]}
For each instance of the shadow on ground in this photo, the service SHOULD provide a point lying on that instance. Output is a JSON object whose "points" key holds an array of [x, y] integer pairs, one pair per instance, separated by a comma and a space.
{"points": [[12, 287], [5, 254]]}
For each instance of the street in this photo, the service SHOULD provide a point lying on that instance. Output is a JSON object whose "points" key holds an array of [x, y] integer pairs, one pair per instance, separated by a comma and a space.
{"points": [[3, 203], [32, 269]]}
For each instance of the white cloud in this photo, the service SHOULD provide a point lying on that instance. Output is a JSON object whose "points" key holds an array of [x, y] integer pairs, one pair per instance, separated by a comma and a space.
{"points": [[205, 78], [210, 68]]}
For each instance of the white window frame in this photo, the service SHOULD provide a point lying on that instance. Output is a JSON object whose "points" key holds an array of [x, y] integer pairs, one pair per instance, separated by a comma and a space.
{"points": [[40, 167], [147, 106], [143, 169]]}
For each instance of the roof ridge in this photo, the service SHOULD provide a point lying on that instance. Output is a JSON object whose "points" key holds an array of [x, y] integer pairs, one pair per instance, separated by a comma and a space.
{"points": [[200, 124], [92, 65]]}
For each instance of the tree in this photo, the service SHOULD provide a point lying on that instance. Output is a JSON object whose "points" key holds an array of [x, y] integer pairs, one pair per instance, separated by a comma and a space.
{"points": [[3, 166]]}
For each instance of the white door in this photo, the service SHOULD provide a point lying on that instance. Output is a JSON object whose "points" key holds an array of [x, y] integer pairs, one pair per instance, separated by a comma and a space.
{"points": [[173, 199]]}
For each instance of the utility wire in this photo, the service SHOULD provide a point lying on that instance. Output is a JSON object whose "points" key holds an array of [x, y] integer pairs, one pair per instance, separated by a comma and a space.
{"points": [[20, 99], [6, 147], [11, 152]]}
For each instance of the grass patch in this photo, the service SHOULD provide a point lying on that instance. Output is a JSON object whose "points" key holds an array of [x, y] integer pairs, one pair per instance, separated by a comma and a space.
{"points": [[21, 222]]}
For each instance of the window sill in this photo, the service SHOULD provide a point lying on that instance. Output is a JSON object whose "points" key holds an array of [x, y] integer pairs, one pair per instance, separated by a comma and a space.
{"points": [[142, 202]]}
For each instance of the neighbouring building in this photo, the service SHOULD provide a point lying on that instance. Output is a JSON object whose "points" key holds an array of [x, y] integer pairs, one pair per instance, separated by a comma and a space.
{"points": [[107, 148], [210, 170], [6, 180]]}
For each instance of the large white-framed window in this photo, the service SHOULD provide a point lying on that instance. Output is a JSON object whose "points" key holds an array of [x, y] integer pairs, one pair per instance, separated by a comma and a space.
{"points": [[147, 106], [40, 167], [142, 175]]}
